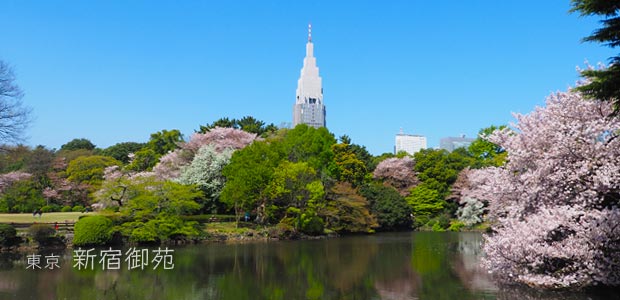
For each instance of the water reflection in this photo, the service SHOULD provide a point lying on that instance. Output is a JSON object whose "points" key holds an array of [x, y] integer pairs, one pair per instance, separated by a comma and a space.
{"points": [[386, 266]]}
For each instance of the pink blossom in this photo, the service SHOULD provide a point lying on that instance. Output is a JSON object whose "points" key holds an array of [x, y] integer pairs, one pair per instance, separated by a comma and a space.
{"points": [[552, 204], [8, 179], [397, 172]]}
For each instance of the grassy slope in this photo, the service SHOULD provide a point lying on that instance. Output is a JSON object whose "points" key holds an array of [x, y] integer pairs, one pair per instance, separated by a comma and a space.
{"points": [[45, 218]]}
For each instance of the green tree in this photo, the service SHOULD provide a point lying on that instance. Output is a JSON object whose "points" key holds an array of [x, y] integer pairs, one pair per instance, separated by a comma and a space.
{"points": [[121, 151], [23, 196], [247, 124], [248, 174], [39, 161], [347, 167], [143, 160], [76, 144], [485, 153], [605, 83], [13, 158], [309, 144], [292, 185], [165, 141], [347, 211], [89, 169], [153, 209], [222, 122], [425, 201], [390, 208]]}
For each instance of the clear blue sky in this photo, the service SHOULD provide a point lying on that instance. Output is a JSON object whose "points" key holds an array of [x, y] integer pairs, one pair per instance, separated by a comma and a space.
{"points": [[116, 71]]}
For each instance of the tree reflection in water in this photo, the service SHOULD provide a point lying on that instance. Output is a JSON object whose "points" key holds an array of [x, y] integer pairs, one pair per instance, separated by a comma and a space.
{"points": [[423, 265]]}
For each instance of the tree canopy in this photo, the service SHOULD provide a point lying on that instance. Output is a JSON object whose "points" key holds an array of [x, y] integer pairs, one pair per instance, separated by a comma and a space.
{"points": [[603, 83]]}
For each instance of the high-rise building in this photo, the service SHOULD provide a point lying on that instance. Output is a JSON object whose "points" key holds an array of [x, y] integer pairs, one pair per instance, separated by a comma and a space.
{"points": [[451, 143], [410, 143], [309, 108]]}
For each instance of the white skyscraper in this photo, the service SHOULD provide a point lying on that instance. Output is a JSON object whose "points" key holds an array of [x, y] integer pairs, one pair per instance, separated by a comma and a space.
{"points": [[409, 143], [309, 108]]}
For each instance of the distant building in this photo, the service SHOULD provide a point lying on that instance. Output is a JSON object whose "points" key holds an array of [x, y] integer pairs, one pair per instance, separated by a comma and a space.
{"points": [[409, 143], [309, 108], [451, 143]]}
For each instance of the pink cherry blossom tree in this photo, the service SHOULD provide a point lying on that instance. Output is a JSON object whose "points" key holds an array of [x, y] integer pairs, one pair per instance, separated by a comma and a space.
{"points": [[554, 205], [397, 172], [8, 179], [220, 138]]}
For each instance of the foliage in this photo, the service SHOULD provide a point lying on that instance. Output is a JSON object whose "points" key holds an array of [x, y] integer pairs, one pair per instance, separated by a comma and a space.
{"points": [[471, 211], [160, 229], [292, 185], [425, 201], [8, 236], [143, 160], [485, 152], [43, 234], [89, 169], [76, 144], [251, 169], [456, 226], [390, 208], [347, 167], [442, 166], [248, 174], [121, 151], [309, 144], [165, 141], [92, 230], [13, 158], [347, 211], [39, 161], [152, 197], [153, 208], [22, 196], [78, 208], [604, 84], [247, 124], [66, 208], [14, 116], [397, 172], [311, 224], [555, 202]]}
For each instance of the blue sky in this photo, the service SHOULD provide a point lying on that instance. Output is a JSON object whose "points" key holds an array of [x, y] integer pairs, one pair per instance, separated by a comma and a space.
{"points": [[116, 71]]}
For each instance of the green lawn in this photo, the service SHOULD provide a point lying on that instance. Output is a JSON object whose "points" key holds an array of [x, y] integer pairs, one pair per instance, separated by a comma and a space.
{"points": [[46, 218]]}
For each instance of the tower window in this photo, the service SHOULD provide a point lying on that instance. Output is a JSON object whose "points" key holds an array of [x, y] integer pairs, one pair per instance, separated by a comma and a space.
{"points": [[312, 100]]}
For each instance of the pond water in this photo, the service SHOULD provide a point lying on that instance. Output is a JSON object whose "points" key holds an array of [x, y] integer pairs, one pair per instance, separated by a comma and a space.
{"points": [[422, 265]]}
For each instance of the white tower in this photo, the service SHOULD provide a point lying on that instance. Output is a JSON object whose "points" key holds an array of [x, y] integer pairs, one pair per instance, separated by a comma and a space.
{"points": [[309, 108]]}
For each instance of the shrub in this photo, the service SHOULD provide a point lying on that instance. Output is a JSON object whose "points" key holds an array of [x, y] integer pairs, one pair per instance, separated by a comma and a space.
{"points": [[43, 234], [51, 208], [8, 236], [437, 227], [93, 230], [311, 224], [456, 226], [66, 208], [78, 208]]}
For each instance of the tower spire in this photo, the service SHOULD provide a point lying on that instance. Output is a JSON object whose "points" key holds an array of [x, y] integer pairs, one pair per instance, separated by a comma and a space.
{"points": [[309, 32]]}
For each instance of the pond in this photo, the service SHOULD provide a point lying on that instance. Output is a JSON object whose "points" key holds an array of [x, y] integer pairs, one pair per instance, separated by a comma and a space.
{"points": [[422, 265]]}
